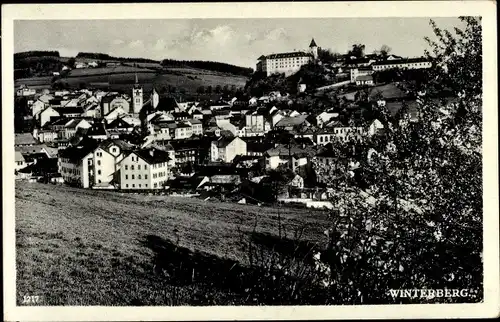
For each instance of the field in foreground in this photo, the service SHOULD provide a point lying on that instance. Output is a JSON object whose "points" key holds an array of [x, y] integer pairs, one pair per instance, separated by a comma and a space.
{"points": [[80, 247]]}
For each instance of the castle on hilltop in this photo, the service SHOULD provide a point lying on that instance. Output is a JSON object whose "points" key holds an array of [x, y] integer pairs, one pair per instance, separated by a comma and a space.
{"points": [[287, 63]]}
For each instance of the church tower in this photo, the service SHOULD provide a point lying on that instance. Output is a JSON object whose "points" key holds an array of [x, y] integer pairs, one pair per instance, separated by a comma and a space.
{"points": [[137, 98], [313, 49]]}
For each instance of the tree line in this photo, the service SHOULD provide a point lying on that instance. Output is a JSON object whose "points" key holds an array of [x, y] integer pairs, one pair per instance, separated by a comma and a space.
{"points": [[208, 65], [36, 53], [101, 56]]}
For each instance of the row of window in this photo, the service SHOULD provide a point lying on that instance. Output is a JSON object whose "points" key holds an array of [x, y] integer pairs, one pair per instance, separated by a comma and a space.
{"points": [[138, 167], [70, 171], [139, 177], [156, 185], [158, 175]]}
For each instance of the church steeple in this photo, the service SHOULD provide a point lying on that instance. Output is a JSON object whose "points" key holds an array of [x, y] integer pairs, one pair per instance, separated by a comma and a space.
{"points": [[313, 48], [137, 98]]}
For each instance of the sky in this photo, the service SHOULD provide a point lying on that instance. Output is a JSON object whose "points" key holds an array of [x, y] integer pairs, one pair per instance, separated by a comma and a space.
{"points": [[234, 41]]}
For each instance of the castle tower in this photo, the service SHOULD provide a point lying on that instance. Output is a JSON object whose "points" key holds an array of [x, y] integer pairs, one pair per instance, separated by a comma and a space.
{"points": [[313, 49], [137, 98]]}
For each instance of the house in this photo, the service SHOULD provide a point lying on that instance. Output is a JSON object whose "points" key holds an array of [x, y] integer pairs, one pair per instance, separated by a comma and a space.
{"points": [[120, 125], [342, 130], [255, 122], [410, 63], [183, 130], [196, 125], [46, 115], [25, 91], [74, 164], [114, 114], [20, 162], [364, 80], [361, 71], [37, 107], [226, 149], [93, 64], [106, 162], [145, 169], [45, 135], [291, 156], [80, 65], [375, 127], [324, 117], [187, 151], [71, 127], [292, 123], [297, 182], [70, 112]]}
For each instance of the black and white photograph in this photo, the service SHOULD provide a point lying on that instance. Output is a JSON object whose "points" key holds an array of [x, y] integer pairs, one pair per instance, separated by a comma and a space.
{"points": [[264, 159]]}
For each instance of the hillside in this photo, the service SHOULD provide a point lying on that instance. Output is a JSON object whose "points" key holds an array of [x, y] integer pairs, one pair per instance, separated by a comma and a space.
{"points": [[81, 247]]}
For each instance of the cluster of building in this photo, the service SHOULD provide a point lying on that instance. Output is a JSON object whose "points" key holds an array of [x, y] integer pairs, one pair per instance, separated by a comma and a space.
{"points": [[110, 140], [358, 70]]}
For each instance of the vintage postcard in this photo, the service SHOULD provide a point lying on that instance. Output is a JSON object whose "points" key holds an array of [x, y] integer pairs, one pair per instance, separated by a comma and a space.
{"points": [[238, 161]]}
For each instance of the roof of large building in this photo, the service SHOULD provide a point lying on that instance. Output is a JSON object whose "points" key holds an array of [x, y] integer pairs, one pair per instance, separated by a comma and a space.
{"points": [[24, 139], [152, 155], [76, 153], [403, 61], [286, 55], [364, 78], [313, 43]]}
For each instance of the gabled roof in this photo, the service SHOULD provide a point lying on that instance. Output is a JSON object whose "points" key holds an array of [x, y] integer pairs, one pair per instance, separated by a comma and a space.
{"points": [[18, 156], [70, 110], [224, 141], [313, 44], [119, 123], [24, 139], [77, 153], [120, 143], [152, 155], [286, 55]]}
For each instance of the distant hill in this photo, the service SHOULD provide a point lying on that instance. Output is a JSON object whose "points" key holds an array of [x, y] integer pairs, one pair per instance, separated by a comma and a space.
{"points": [[179, 73]]}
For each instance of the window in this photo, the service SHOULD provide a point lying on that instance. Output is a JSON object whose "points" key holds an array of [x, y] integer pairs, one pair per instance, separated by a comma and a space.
{"points": [[155, 185], [132, 167], [139, 177], [139, 185], [126, 167], [99, 181], [146, 185], [139, 167], [98, 171], [133, 185], [126, 186], [145, 177], [133, 177], [126, 177], [98, 162], [145, 167]]}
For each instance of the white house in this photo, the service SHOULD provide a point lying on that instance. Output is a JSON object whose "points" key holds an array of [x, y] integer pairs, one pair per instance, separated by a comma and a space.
{"points": [[226, 149], [375, 127], [45, 115], [144, 169]]}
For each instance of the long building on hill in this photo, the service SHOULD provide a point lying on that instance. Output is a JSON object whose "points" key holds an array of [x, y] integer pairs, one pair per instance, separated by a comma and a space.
{"points": [[287, 63]]}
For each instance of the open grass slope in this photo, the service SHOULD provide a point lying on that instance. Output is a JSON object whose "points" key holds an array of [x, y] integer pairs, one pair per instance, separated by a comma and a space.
{"points": [[123, 77], [81, 247]]}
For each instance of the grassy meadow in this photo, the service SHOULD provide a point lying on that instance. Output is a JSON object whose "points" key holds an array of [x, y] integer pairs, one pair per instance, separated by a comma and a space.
{"points": [[81, 247]]}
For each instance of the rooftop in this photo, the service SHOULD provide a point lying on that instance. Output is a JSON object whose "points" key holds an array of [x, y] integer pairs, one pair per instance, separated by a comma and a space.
{"points": [[24, 139]]}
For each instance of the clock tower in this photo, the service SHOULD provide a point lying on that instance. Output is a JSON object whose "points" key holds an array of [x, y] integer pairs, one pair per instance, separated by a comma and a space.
{"points": [[137, 98]]}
